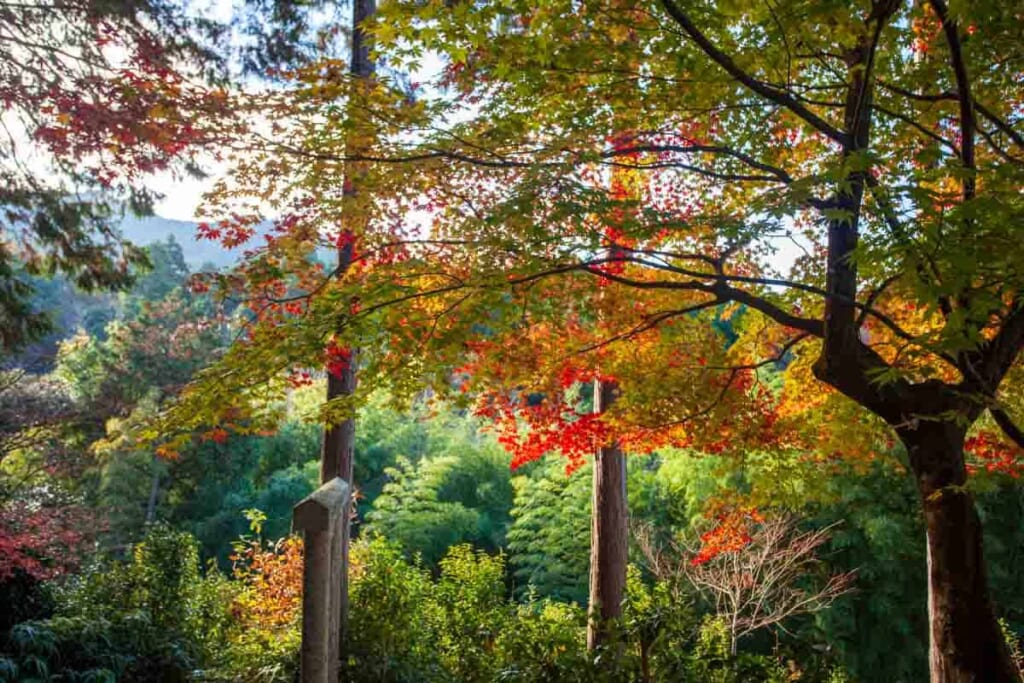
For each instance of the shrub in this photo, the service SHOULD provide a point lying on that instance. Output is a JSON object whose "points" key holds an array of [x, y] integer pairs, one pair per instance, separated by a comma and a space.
{"points": [[156, 617], [711, 661], [152, 618], [262, 644], [390, 637], [545, 643], [469, 611]]}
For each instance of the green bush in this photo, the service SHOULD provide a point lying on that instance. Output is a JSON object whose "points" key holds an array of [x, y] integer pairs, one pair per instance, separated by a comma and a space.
{"points": [[468, 612], [461, 627], [712, 662], [389, 636], [156, 617], [660, 626], [152, 618]]}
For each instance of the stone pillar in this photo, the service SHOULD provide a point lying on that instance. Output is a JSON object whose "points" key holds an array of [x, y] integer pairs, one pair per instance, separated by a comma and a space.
{"points": [[322, 519]]}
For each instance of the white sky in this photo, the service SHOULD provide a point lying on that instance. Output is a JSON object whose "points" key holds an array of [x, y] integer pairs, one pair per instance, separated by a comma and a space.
{"points": [[183, 195]]}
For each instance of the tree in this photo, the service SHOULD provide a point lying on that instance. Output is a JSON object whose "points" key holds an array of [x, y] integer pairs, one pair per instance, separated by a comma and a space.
{"points": [[168, 271], [98, 95], [338, 453], [549, 539], [881, 138], [445, 500], [754, 569], [410, 513], [119, 384], [854, 164], [32, 410]]}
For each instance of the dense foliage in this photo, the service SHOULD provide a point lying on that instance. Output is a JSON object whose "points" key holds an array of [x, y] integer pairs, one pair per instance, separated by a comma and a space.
{"points": [[431, 480], [769, 250]]}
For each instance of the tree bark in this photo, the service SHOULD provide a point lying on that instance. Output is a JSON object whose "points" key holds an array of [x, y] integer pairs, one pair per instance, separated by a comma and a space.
{"points": [[338, 452], [609, 532], [336, 460], [966, 644], [154, 490]]}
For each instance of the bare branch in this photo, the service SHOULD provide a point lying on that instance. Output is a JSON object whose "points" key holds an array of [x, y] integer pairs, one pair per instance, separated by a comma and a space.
{"points": [[761, 584]]}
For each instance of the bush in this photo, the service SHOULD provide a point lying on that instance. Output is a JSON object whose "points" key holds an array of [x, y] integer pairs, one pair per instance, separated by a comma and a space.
{"points": [[712, 662], [262, 644], [545, 643], [463, 627], [152, 618], [659, 626], [156, 617], [389, 635]]}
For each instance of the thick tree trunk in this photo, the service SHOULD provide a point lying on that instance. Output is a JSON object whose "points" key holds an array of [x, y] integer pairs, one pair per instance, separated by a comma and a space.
{"points": [[609, 532], [966, 643]]}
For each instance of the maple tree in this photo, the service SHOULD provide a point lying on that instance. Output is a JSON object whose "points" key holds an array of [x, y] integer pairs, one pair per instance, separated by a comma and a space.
{"points": [[44, 531], [878, 139], [43, 541], [32, 410], [751, 567]]}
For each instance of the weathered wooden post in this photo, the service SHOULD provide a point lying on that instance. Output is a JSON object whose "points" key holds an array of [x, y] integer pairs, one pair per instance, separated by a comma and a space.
{"points": [[322, 518]]}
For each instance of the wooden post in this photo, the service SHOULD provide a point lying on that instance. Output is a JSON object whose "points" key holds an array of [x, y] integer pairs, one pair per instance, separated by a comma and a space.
{"points": [[322, 518]]}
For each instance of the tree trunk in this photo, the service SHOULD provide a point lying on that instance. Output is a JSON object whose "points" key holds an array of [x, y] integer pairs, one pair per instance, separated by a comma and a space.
{"points": [[966, 643], [609, 532], [336, 460], [154, 491], [338, 453]]}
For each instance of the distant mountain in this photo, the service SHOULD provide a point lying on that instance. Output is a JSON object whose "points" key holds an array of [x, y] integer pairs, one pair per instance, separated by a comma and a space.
{"points": [[143, 231]]}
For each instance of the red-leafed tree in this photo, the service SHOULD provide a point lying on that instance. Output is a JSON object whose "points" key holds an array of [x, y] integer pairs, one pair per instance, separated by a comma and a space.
{"points": [[44, 541], [757, 571]]}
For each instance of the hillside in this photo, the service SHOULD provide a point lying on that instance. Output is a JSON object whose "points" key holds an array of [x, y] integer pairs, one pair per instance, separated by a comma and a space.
{"points": [[144, 231]]}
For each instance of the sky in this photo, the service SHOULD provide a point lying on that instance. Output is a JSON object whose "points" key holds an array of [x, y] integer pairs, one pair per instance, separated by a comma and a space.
{"points": [[183, 195]]}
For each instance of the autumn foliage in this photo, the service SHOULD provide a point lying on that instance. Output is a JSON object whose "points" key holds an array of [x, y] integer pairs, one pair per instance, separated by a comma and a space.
{"points": [[271, 579], [44, 542]]}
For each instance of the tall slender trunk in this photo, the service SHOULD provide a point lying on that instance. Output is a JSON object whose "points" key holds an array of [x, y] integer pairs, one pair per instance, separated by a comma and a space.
{"points": [[965, 642], [336, 460], [154, 490], [609, 532], [338, 452]]}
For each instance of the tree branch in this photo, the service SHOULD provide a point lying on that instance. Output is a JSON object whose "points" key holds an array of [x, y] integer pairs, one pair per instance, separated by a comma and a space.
{"points": [[775, 95], [1005, 422], [963, 84]]}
